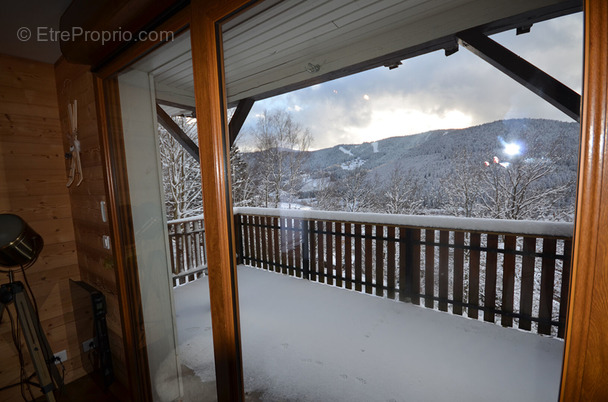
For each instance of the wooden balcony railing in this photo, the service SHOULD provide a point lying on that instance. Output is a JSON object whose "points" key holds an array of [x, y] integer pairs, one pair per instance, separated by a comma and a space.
{"points": [[511, 272], [508, 272], [187, 249]]}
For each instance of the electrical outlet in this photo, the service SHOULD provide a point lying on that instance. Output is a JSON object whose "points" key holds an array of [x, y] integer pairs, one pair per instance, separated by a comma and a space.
{"points": [[88, 345], [63, 356]]}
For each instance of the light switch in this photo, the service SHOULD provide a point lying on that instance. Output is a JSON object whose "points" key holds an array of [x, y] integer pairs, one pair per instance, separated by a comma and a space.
{"points": [[104, 211], [106, 242]]}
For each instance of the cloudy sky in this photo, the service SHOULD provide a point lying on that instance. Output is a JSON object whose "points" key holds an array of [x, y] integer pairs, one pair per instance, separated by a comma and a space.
{"points": [[433, 91]]}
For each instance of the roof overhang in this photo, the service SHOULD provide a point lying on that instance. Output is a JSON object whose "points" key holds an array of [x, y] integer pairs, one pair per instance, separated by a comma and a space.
{"points": [[277, 46]]}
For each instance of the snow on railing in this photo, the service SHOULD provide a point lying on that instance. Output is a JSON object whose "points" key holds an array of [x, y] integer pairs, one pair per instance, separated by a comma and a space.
{"points": [[502, 226], [512, 271]]}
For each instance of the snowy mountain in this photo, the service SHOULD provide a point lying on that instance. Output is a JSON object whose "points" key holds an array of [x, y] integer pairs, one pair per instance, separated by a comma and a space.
{"points": [[432, 159], [429, 153]]}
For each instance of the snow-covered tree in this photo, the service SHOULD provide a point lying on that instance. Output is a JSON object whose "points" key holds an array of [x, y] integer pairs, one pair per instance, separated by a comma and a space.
{"points": [[181, 173], [282, 145], [243, 187], [356, 192], [400, 193], [513, 189], [461, 188]]}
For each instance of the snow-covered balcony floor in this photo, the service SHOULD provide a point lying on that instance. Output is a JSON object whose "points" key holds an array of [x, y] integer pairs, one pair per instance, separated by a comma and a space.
{"points": [[307, 341]]}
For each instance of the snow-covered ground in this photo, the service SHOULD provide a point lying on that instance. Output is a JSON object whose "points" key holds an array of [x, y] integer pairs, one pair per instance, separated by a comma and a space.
{"points": [[307, 341]]}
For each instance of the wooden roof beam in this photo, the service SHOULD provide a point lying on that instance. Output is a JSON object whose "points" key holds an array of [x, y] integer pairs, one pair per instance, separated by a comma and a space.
{"points": [[238, 119], [182, 138], [527, 74], [177, 105]]}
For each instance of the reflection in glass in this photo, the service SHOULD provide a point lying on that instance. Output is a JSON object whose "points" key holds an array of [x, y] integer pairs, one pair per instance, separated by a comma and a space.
{"points": [[160, 139]]}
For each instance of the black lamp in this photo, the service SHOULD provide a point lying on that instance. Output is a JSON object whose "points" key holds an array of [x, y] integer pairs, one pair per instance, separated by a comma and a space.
{"points": [[20, 245]]}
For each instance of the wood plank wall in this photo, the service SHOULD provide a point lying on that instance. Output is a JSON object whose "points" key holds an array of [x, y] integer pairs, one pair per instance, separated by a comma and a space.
{"points": [[32, 185], [97, 264]]}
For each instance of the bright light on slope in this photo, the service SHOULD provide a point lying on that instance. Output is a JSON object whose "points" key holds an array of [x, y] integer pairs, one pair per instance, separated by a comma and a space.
{"points": [[512, 149]]}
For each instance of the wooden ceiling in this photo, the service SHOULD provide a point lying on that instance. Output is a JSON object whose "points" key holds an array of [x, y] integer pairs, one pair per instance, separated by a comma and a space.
{"points": [[278, 46]]}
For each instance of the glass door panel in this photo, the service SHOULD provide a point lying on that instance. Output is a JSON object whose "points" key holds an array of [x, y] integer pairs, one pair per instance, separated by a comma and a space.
{"points": [[161, 152]]}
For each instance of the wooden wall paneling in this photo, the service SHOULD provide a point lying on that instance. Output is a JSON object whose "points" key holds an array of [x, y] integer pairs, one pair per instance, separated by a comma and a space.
{"points": [[586, 350], [96, 264], [32, 185]]}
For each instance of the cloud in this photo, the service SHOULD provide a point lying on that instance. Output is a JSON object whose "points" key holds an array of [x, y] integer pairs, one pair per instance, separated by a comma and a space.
{"points": [[434, 91]]}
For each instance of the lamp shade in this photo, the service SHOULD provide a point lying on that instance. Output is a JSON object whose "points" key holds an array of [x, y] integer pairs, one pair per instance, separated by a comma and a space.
{"points": [[19, 243]]}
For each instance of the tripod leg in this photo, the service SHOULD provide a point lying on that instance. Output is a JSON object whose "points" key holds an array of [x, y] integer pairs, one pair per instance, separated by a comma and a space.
{"points": [[36, 346]]}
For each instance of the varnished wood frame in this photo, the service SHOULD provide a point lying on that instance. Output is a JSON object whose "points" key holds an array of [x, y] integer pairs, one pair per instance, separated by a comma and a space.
{"points": [[585, 362], [119, 208], [213, 137], [123, 239], [585, 372], [214, 144]]}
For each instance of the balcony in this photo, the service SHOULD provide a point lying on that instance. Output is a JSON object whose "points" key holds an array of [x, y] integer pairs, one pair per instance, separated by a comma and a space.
{"points": [[300, 336]]}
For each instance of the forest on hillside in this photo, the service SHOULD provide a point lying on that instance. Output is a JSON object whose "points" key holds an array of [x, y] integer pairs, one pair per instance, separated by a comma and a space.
{"points": [[508, 169]]}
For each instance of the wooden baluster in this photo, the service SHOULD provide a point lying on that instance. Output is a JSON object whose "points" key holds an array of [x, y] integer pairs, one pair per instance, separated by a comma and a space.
{"points": [[348, 256], [565, 290], [458, 272], [321, 257], [339, 274], [409, 265], [252, 240], [379, 260], [312, 244], [390, 262], [290, 245], [250, 246], [276, 238], [527, 283], [264, 240], [305, 250], [490, 290], [259, 242], [197, 243], [238, 222], [444, 248], [329, 252], [546, 286], [508, 280], [475, 242], [358, 257], [270, 243], [297, 229], [369, 273], [284, 244], [203, 243], [429, 268]]}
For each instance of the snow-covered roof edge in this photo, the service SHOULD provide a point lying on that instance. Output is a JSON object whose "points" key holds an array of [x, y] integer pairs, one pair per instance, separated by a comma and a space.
{"points": [[537, 228]]}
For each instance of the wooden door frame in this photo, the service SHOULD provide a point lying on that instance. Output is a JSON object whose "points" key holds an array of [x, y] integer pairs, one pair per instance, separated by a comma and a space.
{"points": [[214, 154], [586, 347], [586, 343], [119, 207]]}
